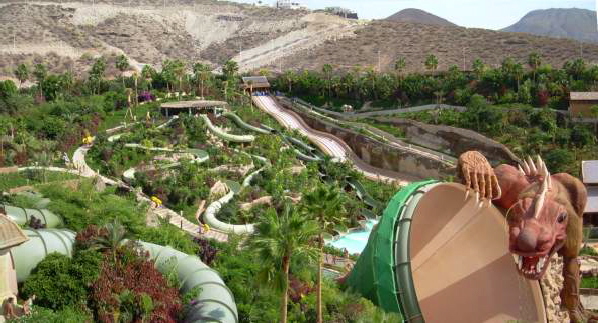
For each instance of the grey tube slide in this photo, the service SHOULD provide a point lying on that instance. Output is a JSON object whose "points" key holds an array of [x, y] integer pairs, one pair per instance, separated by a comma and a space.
{"points": [[215, 302], [22, 216]]}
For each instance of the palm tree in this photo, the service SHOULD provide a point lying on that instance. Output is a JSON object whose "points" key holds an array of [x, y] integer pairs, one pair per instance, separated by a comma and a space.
{"points": [[290, 77], [22, 73], [400, 64], [97, 71], [114, 235], [431, 62], [202, 72], [278, 239], [122, 64], [40, 72], [534, 61], [323, 204], [147, 73], [230, 69], [327, 71]]}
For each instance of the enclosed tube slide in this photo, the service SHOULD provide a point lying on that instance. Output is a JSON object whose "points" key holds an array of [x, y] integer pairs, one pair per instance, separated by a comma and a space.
{"points": [[438, 257], [22, 216], [210, 218], [363, 194], [242, 124], [224, 135], [215, 302]]}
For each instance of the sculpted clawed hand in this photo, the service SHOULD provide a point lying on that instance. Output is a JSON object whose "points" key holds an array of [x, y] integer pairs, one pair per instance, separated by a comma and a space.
{"points": [[478, 175]]}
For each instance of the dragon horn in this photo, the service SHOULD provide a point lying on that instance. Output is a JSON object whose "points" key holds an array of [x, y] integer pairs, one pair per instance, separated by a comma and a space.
{"points": [[525, 167], [532, 166], [521, 169], [540, 165], [541, 197]]}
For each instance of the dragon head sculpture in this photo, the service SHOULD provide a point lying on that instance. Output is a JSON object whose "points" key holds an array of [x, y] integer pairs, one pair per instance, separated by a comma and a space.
{"points": [[538, 220]]}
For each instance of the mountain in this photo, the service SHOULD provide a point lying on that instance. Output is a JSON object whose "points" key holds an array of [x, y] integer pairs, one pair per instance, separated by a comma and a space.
{"points": [[382, 42], [578, 24], [419, 16]]}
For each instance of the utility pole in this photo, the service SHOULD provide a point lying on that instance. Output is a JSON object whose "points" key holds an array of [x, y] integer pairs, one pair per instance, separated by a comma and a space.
{"points": [[379, 61], [463, 58]]}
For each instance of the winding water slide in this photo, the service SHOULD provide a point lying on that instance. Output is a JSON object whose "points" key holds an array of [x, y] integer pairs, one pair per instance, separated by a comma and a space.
{"points": [[242, 124], [215, 302], [329, 144], [225, 135], [438, 257]]}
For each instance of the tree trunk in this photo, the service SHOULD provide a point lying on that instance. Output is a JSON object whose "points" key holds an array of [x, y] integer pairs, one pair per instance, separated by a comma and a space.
{"points": [[319, 281], [286, 262]]}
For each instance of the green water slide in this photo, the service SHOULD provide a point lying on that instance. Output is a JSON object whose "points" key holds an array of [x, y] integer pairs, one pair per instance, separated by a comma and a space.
{"points": [[22, 216], [224, 135], [382, 273], [363, 194], [215, 302], [242, 124]]}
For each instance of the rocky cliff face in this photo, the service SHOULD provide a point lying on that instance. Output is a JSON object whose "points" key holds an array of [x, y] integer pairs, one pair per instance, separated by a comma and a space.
{"points": [[578, 24]]}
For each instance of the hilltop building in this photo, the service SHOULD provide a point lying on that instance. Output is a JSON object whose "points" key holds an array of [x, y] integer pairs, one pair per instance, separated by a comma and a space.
{"points": [[288, 4], [580, 104], [342, 12]]}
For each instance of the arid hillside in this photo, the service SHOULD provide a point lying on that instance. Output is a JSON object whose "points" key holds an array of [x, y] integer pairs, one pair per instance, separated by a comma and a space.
{"points": [[70, 35], [452, 45]]}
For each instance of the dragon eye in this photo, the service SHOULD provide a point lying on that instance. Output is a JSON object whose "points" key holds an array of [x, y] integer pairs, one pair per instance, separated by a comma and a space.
{"points": [[562, 217]]}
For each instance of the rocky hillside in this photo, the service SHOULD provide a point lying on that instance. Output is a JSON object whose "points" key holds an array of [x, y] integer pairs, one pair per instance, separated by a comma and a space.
{"points": [[579, 24], [419, 16], [147, 32], [71, 35], [452, 45]]}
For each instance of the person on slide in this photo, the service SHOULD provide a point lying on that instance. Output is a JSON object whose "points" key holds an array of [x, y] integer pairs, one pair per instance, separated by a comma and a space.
{"points": [[544, 216]]}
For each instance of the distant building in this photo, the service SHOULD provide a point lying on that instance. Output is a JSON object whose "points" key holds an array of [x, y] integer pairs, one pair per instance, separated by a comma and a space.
{"points": [[288, 4], [580, 104], [342, 12], [261, 4], [589, 174]]}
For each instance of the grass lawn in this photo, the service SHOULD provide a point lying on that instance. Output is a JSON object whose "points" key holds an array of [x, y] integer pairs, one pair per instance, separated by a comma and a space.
{"points": [[13, 180], [115, 118]]}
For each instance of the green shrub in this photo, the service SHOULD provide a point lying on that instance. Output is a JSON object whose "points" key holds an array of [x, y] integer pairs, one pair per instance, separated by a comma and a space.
{"points": [[60, 282], [45, 315]]}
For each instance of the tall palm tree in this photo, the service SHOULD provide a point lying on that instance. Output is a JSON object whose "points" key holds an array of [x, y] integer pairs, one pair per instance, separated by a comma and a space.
{"points": [[148, 73], [202, 72], [534, 61], [40, 71], [122, 64], [278, 239], [324, 204], [327, 71], [478, 68], [290, 77]]}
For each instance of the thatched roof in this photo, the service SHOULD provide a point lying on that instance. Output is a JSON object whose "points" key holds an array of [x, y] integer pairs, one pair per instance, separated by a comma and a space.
{"points": [[11, 234], [255, 82], [195, 104]]}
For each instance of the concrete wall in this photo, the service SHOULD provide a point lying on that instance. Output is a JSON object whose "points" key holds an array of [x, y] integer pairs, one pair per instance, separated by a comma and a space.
{"points": [[451, 140], [379, 154]]}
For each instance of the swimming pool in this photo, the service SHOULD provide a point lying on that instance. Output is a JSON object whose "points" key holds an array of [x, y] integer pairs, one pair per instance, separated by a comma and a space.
{"points": [[355, 241]]}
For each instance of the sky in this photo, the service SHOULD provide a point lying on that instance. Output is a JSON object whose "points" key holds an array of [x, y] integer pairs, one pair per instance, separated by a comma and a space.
{"points": [[490, 14]]}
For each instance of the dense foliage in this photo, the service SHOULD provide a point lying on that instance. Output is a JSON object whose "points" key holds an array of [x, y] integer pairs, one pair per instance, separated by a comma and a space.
{"points": [[538, 84]]}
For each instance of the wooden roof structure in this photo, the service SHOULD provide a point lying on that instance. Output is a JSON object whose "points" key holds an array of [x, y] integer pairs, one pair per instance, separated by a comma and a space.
{"points": [[194, 104], [255, 82], [584, 96], [11, 234]]}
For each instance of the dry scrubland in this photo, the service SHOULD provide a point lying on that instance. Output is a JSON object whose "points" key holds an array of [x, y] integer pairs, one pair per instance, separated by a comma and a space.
{"points": [[416, 41], [147, 32], [69, 35]]}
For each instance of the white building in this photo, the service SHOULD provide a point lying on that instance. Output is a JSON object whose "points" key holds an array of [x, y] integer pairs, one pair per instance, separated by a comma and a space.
{"points": [[288, 4]]}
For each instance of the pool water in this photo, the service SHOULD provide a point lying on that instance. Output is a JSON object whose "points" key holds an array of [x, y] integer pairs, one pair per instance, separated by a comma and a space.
{"points": [[356, 241]]}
